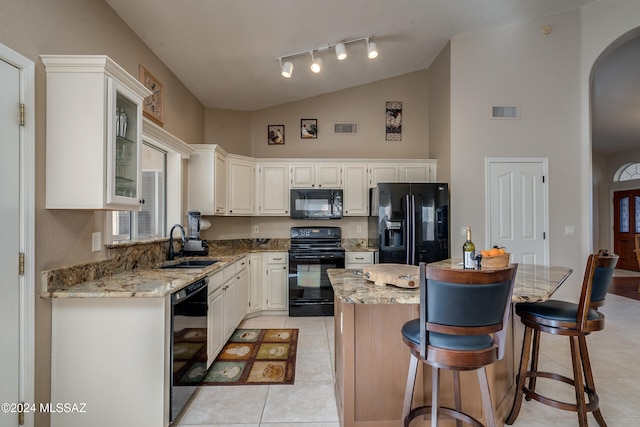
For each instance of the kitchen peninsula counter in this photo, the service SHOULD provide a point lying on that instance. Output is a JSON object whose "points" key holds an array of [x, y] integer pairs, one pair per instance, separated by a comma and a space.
{"points": [[372, 361]]}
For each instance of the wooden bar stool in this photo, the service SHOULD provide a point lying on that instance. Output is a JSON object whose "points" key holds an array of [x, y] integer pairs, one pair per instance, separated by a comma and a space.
{"points": [[459, 310], [575, 321]]}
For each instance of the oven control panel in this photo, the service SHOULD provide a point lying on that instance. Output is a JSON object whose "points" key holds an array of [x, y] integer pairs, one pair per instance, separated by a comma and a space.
{"points": [[315, 232]]}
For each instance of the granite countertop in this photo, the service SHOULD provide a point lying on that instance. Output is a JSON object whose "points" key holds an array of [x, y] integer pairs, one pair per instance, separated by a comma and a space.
{"points": [[92, 281], [533, 283], [147, 283], [350, 286]]}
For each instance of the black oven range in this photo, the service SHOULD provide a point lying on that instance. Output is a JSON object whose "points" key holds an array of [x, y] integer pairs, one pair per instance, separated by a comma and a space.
{"points": [[313, 250]]}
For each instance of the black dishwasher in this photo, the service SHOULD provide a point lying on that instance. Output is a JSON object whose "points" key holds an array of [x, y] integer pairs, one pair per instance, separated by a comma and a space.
{"points": [[188, 343]]}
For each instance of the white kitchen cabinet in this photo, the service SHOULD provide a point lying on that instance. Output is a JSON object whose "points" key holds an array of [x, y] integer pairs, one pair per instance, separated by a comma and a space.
{"points": [[94, 134], [256, 294], [276, 280], [240, 186], [358, 259], [316, 175], [111, 353], [236, 295], [273, 188], [208, 180], [242, 296], [356, 190], [382, 172], [417, 172], [215, 325]]}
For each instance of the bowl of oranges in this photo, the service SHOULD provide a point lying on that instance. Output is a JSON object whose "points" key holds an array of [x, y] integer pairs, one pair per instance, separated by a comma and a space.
{"points": [[495, 257]]}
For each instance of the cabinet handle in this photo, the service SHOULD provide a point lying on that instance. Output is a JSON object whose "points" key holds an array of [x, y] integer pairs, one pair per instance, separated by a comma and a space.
{"points": [[277, 259], [359, 257]]}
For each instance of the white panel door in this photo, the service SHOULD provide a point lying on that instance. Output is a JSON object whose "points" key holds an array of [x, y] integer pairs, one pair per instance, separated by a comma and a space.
{"points": [[517, 209], [10, 219]]}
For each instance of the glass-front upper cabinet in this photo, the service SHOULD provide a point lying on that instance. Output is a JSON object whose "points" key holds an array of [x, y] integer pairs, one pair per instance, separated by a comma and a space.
{"points": [[94, 134], [123, 184]]}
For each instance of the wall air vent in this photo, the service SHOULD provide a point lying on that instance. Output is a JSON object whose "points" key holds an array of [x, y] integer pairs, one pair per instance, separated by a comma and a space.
{"points": [[505, 112], [346, 128]]}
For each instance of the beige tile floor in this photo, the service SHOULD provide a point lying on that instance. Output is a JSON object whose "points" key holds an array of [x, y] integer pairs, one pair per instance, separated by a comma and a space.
{"points": [[310, 402]]}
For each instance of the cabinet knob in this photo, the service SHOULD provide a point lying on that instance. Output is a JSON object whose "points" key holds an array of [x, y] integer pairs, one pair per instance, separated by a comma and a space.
{"points": [[142, 201]]}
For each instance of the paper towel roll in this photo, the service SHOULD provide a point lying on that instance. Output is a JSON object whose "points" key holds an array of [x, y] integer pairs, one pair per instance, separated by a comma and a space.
{"points": [[205, 224]]}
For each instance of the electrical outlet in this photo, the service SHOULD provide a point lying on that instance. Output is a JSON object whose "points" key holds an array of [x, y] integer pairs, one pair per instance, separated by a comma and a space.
{"points": [[256, 229], [463, 231], [358, 229], [96, 241]]}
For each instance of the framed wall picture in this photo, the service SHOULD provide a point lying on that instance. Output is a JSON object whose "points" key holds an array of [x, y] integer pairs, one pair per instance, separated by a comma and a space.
{"points": [[393, 118], [152, 105], [309, 128], [275, 134]]}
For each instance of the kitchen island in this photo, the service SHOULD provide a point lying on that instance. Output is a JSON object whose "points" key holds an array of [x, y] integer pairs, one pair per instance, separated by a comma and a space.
{"points": [[372, 361]]}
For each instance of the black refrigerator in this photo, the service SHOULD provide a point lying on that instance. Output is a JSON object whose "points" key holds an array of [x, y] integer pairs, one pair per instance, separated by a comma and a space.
{"points": [[409, 222]]}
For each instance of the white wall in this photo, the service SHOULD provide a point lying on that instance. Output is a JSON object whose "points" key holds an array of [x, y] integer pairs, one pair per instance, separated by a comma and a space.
{"points": [[518, 65], [363, 104]]}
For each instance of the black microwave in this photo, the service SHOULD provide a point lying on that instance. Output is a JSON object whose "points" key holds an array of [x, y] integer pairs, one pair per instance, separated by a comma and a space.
{"points": [[308, 203]]}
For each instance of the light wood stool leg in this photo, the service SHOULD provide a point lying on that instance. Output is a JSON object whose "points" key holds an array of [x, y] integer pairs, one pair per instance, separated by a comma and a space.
{"points": [[408, 393]]}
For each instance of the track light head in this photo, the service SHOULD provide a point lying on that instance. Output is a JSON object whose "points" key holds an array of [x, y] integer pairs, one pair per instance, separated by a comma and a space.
{"points": [[287, 69], [341, 51], [316, 63], [372, 50]]}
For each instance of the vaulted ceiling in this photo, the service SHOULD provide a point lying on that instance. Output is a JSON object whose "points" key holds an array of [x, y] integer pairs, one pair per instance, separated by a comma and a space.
{"points": [[225, 51]]}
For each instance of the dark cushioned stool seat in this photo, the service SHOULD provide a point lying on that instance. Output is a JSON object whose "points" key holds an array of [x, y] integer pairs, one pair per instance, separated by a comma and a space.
{"points": [[555, 310]]}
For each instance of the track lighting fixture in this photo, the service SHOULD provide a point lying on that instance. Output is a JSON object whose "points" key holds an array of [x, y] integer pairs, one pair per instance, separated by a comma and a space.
{"points": [[341, 51], [372, 49], [316, 62]]}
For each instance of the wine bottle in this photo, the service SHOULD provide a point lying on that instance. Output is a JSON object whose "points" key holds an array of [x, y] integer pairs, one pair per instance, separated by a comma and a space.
{"points": [[468, 252]]}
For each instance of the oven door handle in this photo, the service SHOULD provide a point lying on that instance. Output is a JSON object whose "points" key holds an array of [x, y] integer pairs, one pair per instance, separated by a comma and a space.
{"points": [[325, 256]]}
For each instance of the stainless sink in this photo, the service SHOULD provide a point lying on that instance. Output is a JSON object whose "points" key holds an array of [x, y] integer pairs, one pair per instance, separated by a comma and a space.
{"points": [[191, 263]]}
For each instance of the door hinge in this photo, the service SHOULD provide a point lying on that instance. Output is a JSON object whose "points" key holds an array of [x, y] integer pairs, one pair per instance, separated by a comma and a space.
{"points": [[21, 414], [21, 263], [21, 114]]}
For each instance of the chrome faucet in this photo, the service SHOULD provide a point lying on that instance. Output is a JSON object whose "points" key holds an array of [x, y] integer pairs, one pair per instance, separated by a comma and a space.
{"points": [[171, 254]]}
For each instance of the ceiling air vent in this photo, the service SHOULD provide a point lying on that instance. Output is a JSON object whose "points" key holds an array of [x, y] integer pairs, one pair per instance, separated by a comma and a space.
{"points": [[346, 128], [505, 112]]}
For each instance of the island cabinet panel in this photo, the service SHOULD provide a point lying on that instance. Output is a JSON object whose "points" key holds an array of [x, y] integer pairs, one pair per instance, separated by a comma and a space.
{"points": [[372, 364], [372, 361]]}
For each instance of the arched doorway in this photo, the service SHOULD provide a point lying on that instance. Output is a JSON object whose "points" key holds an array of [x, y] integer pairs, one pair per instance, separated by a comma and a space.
{"points": [[615, 105]]}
